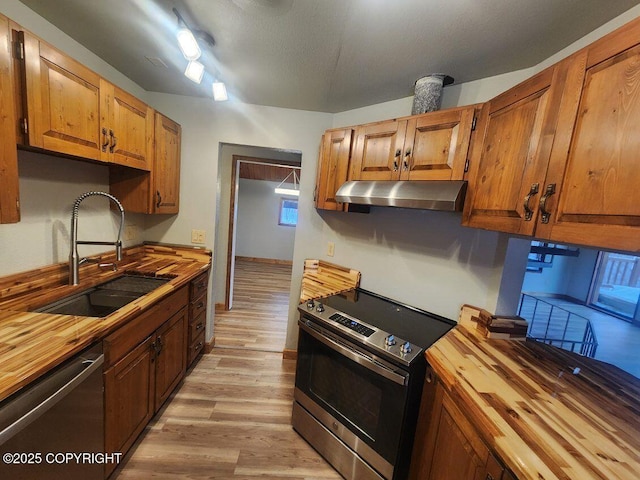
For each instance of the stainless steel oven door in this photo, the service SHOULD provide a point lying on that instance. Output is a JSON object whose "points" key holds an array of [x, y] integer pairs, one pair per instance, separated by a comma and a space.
{"points": [[360, 398]]}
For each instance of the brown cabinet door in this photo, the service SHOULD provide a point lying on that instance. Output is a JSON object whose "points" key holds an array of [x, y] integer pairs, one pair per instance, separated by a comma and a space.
{"points": [[333, 167], [436, 145], [377, 154], [9, 204], [166, 170], [507, 171], [172, 356], [63, 102], [460, 454], [130, 128], [129, 399], [596, 188]]}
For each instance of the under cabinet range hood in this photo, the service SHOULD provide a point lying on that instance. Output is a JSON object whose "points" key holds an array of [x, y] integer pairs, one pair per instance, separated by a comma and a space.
{"points": [[446, 195]]}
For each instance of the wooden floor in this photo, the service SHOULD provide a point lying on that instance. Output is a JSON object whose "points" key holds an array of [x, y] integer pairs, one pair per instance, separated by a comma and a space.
{"points": [[231, 417], [260, 308]]}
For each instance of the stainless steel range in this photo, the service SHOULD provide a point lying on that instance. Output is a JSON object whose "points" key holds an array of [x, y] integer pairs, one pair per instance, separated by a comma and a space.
{"points": [[359, 381]]}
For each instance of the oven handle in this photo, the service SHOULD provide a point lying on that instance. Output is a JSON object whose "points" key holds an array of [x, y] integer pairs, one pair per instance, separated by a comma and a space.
{"points": [[355, 355]]}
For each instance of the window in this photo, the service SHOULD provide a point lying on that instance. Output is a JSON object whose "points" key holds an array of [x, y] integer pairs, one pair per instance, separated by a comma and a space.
{"points": [[288, 212], [616, 285]]}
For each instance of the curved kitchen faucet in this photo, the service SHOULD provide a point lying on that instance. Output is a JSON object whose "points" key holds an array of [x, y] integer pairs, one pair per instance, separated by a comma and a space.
{"points": [[74, 259]]}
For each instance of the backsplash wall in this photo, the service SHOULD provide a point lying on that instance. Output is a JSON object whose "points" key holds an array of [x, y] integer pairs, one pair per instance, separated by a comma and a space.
{"points": [[48, 187]]}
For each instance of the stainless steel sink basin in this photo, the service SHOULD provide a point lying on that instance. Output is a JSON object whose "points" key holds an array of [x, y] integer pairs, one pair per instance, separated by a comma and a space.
{"points": [[105, 298]]}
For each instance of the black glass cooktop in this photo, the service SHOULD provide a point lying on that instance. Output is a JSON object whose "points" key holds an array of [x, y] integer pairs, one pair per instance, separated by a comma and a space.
{"points": [[417, 326]]}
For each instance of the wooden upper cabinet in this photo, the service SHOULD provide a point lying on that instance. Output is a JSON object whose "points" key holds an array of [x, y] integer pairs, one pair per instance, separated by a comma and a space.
{"points": [[64, 108], [515, 133], [432, 146], [436, 145], [72, 110], [378, 150], [596, 199], [333, 167], [559, 153], [9, 199], [166, 169], [127, 128]]}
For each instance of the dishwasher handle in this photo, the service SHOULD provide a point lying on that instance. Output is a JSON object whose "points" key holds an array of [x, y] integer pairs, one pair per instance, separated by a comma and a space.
{"points": [[24, 412]]}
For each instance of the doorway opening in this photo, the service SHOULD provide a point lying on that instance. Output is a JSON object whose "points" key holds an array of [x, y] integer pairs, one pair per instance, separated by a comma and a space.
{"points": [[255, 236], [584, 300]]}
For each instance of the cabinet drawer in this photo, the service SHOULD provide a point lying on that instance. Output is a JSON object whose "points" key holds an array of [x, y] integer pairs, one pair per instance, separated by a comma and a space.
{"points": [[123, 340], [195, 348], [196, 326], [199, 286], [197, 307]]}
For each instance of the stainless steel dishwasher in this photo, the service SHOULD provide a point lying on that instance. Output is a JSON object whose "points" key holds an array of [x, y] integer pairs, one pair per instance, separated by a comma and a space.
{"points": [[62, 414]]}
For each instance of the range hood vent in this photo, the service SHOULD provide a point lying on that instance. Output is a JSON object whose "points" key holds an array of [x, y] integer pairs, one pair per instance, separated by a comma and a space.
{"points": [[447, 195]]}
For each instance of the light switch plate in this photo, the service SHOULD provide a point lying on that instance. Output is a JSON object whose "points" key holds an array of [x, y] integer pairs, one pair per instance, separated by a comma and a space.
{"points": [[331, 248], [198, 236]]}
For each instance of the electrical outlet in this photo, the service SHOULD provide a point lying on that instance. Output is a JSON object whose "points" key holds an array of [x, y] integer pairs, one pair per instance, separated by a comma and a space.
{"points": [[331, 248], [198, 236], [129, 232]]}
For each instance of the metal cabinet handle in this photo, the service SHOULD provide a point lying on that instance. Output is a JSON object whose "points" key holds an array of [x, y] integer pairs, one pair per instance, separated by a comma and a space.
{"points": [[158, 198], [550, 190], [105, 139], [114, 141], [489, 477], [407, 158], [395, 160], [159, 345], [200, 304], [528, 211], [197, 347], [199, 326]]}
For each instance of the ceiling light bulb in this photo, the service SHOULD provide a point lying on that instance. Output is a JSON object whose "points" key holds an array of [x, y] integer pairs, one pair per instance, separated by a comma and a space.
{"points": [[219, 92], [287, 191], [194, 71], [188, 44]]}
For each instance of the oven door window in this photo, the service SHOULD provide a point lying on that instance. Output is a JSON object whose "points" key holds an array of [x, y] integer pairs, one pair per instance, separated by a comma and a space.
{"points": [[367, 403]]}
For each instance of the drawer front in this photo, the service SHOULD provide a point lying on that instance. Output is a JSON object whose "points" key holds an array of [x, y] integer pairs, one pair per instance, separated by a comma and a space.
{"points": [[127, 337], [195, 348], [199, 286], [197, 308], [196, 327]]}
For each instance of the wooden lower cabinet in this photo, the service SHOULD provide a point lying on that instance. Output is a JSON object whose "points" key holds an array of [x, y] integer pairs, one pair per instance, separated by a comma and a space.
{"points": [[197, 317], [145, 360], [448, 446], [129, 397], [171, 358]]}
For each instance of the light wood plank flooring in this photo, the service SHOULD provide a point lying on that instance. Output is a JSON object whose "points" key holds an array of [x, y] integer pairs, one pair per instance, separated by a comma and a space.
{"points": [[231, 416], [260, 307]]}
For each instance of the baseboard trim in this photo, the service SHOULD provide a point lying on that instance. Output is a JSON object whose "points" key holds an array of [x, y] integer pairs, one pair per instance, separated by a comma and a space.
{"points": [[288, 354], [219, 307], [208, 346], [273, 261]]}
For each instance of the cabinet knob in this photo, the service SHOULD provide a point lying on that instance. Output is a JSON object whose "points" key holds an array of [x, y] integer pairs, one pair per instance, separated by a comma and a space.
{"points": [[199, 326], [158, 198]]}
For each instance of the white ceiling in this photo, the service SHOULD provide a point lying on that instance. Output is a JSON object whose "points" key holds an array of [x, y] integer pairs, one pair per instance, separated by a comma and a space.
{"points": [[326, 55]]}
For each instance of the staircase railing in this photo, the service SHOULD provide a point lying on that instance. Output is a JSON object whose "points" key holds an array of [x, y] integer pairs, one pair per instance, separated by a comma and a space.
{"points": [[557, 326]]}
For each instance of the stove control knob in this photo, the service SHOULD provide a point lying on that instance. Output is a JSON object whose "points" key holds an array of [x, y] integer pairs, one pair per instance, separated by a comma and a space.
{"points": [[405, 348], [311, 304], [390, 340], [320, 308]]}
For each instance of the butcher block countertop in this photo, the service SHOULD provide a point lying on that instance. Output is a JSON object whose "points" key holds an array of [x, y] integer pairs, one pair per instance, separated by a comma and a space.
{"points": [[32, 343], [547, 413]]}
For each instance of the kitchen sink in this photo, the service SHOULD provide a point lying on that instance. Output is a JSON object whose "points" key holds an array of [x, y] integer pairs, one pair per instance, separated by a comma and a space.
{"points": [[106, 298]]}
